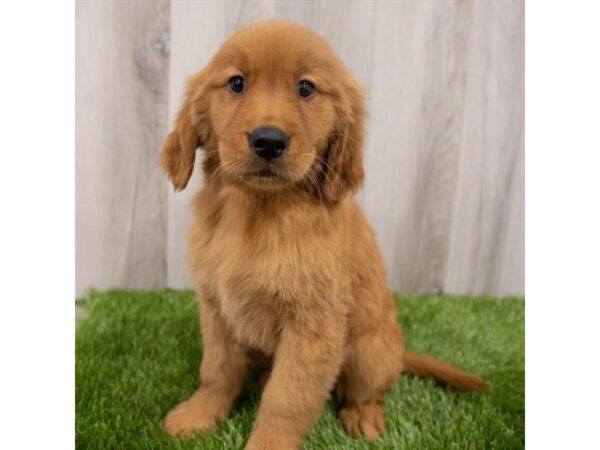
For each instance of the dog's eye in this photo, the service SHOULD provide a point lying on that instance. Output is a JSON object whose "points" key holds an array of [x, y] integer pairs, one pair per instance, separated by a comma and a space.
{"points": [[237, 84], [305, 88]]}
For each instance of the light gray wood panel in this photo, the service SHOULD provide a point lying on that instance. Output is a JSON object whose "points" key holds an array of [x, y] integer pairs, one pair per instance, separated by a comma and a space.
{"points": [[411, 154], [239, 13], [121, 98], [443, 157], [487, 236], [197, 31]]}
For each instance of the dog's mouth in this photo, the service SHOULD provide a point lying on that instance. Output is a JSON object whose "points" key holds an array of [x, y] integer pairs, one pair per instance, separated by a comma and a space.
{"points": [[265, 173], [265, 178]]}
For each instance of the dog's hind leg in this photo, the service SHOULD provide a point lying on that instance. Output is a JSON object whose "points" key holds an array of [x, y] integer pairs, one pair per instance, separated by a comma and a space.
{"points": [[373, 365]]}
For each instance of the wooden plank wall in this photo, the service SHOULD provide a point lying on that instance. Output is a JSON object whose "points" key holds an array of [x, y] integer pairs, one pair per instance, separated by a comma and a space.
{"points": [[121, 118], [445, 148]]}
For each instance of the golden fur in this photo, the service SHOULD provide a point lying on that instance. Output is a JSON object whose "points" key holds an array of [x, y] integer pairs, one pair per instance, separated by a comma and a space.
{"points": [[289, 276]]}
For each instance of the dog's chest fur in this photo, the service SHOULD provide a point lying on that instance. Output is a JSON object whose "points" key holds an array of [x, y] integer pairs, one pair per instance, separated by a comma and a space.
{"points": [[262, 268]]}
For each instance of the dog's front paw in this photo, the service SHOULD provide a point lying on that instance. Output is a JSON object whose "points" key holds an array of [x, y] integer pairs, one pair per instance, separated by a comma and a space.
{"points": [[363, 420], [272, 443], [188, 418]]}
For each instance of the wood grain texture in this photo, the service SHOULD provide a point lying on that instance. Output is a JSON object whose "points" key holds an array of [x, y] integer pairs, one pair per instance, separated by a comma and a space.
{"points": [[444, 155], [487, 236], [121, 98], [413, 145], [197, 31]]}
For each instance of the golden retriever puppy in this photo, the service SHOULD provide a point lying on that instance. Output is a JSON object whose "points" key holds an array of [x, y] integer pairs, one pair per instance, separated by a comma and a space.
{"points": [[288, 272]]}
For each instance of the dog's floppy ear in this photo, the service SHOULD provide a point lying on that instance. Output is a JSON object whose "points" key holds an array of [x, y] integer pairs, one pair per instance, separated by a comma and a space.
{"points": [[344, 170], [191, 130]]}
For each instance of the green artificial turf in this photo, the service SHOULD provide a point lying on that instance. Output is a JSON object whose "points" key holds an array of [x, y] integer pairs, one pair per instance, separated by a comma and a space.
{"points": [[137, 356]]}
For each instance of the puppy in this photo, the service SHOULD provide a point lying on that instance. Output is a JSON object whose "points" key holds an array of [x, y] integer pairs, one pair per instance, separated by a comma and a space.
{"points": [[287, 269]]}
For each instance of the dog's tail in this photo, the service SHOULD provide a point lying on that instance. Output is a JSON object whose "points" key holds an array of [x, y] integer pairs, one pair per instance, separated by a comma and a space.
{"points": [[426, 366]]}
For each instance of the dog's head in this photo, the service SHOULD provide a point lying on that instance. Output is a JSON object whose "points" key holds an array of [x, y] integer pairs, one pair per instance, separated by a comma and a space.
{"points": [[274, 109]]}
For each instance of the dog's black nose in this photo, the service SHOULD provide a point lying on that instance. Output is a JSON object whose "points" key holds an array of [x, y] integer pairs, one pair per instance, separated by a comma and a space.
{"points": [[268, 142]]}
